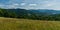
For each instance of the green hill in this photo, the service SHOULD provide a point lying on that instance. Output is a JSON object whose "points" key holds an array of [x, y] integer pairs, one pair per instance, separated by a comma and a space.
{"points": [[30, 14], [26, 24]]}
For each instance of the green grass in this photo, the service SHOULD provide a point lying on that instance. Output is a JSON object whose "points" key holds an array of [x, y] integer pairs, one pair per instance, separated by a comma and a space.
{"points": [[25, 24]]}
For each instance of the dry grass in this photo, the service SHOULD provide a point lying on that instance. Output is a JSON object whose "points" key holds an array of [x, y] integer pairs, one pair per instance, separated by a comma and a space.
{"points": [[25, 24]]}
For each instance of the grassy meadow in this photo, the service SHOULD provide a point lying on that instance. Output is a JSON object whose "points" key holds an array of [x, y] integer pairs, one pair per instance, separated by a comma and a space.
{"points": [[26, 24]]}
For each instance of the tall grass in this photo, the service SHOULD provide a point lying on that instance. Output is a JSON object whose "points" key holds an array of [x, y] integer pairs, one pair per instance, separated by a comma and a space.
{"points": [[26, 24]]}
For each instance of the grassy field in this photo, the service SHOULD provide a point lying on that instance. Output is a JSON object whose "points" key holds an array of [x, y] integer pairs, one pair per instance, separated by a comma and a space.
{"points": [[25, 24]]}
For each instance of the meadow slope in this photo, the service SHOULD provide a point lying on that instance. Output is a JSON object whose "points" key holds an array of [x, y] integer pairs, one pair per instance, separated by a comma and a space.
{"points": [[26, 24]]}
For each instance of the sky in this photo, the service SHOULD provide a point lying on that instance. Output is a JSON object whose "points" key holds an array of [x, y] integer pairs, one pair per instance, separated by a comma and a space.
{"points": [[31, 4]]}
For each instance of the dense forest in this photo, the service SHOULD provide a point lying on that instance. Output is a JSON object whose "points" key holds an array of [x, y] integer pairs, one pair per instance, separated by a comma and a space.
{"points": [[29, 14]]}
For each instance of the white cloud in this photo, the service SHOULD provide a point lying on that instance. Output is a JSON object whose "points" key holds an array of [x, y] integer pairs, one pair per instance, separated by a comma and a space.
{"points": [[32, 4], [49, 4], [16, 4], [56, 8], [23, 3], [12, 6]]}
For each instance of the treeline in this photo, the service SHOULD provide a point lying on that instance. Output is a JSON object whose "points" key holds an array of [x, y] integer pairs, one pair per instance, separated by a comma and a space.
{"points": [[26, 14]]}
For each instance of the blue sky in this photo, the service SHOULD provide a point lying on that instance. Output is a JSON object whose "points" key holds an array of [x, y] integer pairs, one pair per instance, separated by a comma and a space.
{"points": [[31, 4]]}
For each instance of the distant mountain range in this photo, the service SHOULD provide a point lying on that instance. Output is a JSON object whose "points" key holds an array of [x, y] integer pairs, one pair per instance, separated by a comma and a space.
{"points": [[40, 14], [38, 11], [45, 11]]}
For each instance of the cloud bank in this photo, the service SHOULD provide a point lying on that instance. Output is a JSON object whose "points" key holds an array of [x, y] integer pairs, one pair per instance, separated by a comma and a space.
{"points": [[31, 4]]}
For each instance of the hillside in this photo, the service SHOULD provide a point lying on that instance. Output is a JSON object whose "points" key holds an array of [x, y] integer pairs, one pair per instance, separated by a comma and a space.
{"points": [[26, 24], [39, 14]]}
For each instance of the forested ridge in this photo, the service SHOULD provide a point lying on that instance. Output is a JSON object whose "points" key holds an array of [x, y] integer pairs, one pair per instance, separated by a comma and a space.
{"points": [[29, 14]]}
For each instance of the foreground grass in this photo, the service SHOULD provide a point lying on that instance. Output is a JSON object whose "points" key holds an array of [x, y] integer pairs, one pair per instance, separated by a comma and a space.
{"points": [[25, 24]]}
